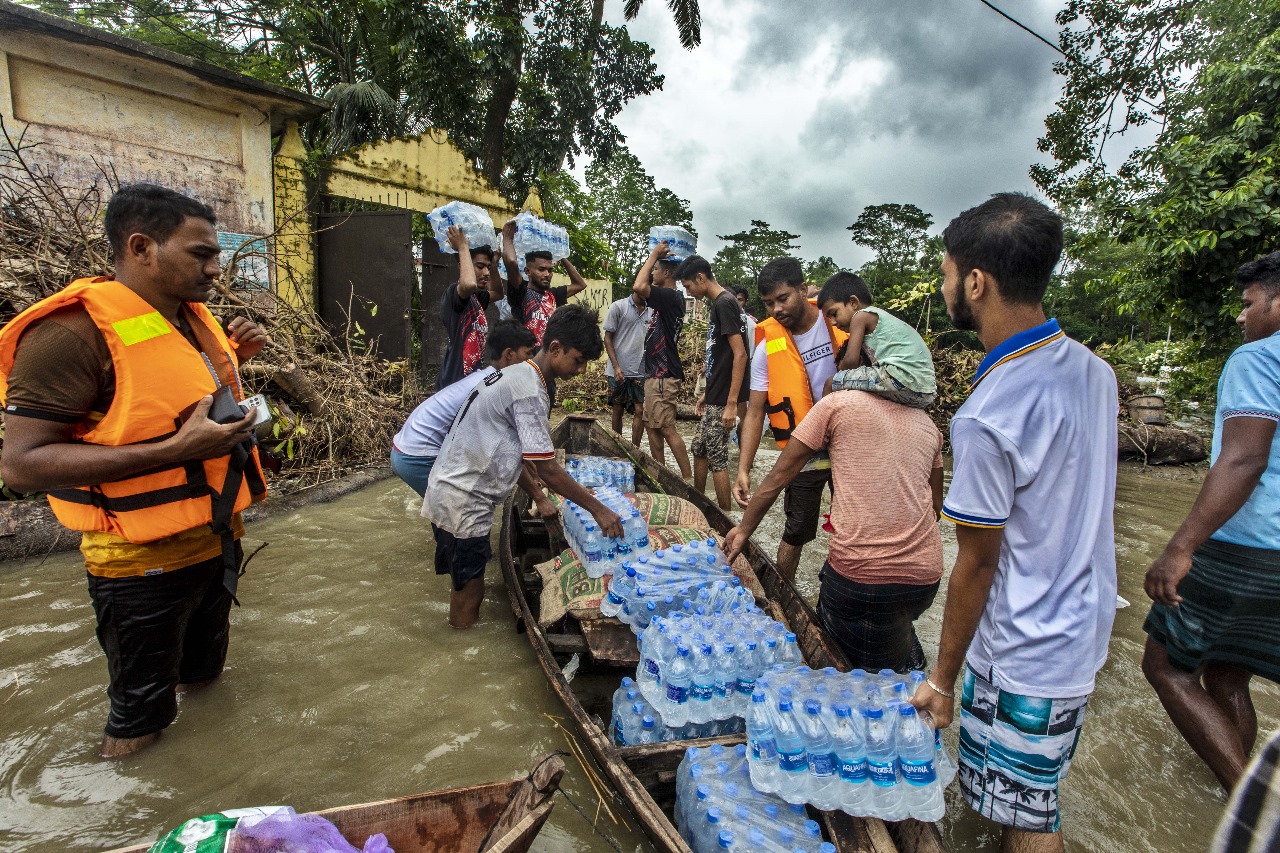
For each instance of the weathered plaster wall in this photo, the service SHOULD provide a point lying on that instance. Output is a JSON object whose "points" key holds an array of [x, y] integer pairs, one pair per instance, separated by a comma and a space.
{"points": [[92, 109]]}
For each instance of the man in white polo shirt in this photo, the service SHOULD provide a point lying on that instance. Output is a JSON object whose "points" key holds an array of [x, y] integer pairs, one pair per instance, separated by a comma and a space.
{"points": [[1033, 590]]}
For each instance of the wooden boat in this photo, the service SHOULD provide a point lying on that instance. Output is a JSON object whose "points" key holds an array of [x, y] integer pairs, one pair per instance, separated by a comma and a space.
{"points": [[644, 775], [499, 817]]}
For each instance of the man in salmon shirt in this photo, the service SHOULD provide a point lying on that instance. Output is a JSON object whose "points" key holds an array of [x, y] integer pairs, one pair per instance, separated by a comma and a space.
{"points": [[96, 382]]}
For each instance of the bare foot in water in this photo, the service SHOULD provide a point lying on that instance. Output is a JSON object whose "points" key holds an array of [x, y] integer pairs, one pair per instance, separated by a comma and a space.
{"points": [[120, 747]]}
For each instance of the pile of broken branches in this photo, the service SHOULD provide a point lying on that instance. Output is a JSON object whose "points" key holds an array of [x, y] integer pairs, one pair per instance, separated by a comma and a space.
{"points": [[336, 404]]}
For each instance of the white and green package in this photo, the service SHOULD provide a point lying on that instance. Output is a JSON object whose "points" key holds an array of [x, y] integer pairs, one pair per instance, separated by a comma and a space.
{"points": [[211, 833]]}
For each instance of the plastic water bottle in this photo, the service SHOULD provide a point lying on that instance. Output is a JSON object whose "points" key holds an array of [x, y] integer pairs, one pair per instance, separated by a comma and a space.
{"points": [[592, 552], [620, 589], [823, 781], [678, 681], [703, 690], [882, 769], [764, 751], [619, 700], [921, 793], [853, 789], [648, 732], [789, 654], [793, 762]]}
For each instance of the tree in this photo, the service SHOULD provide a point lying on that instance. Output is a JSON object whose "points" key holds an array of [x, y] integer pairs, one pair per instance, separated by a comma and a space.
{"points": [[739, 262], [520, 86], [897, 233], [817, 272], [1204, 196], [685, 13]]}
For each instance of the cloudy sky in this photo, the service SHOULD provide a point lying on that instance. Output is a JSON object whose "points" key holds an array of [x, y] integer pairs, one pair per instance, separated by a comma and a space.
{"points": [[803, 112]]}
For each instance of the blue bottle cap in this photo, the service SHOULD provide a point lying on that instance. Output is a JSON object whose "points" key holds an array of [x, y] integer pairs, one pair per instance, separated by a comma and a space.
{"points": [[887, 673], [872, 713], [717, 749], [826, 847], [791, 637], [726, 839], [707, 649], [627, 681], [757, 697], [691, 754], [704, 791], [756, 837], [683, 651], [647, 721], [771, 811], [731, 789], [784, 704], [813, 707], [844, 711], [812, 829], [906, 709], [713, 814]]}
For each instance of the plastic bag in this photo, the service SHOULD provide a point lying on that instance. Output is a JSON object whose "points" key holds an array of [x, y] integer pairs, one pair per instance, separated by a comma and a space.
{"points": [[299, 833]]}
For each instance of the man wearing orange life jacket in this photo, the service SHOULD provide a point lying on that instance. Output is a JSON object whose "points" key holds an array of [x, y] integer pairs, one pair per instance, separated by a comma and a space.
{"points": [[794, 357], [97, 382]]}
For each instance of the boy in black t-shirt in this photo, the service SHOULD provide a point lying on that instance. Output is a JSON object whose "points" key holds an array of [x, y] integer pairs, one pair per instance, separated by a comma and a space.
{"points": [[655, 284], [726, 369], [462, 309]]}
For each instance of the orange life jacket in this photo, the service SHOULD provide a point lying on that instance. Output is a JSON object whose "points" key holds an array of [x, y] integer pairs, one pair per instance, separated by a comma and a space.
{"points": [[158, 374], [790, 395]]}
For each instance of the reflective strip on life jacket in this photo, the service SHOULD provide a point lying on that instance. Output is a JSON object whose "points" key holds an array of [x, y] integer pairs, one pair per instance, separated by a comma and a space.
{"points": [[158, 375], [790, 394]]}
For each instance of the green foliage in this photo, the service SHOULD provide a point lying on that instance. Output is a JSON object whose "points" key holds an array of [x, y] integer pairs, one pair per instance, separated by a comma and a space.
{"points": [[565, 203], [817, 272], [739, 262], [521, 86], [1205, 196]]}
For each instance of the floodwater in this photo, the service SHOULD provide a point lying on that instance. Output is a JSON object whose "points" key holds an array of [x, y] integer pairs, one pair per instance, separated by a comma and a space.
{"points": [[344, 685]]}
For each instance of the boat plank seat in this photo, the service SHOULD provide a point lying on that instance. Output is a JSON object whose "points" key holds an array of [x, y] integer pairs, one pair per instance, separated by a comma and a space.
{"points": [[611, 643]]}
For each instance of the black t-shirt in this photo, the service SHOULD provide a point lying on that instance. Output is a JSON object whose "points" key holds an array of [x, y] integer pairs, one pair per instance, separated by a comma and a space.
{"points": [[661, 357], [467, 329], [725, 320]]}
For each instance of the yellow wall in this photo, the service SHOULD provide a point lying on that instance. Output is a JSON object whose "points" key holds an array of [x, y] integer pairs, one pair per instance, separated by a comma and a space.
{"points": [[417, 173], [142, 120]]}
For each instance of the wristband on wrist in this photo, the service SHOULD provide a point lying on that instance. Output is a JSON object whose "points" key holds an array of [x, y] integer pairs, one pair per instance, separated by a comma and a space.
{"points": [[936, 689]]}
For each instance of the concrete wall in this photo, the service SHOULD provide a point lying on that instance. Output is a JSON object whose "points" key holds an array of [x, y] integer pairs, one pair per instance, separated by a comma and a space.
{"points": [[93, 108]]}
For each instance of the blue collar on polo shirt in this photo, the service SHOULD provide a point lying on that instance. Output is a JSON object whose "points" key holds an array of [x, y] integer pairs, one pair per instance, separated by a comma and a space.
{"points": [[1016, 345]]}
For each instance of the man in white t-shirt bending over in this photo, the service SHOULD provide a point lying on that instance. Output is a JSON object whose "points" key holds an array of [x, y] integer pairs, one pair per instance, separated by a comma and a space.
{"points": [[794, 357], [502, 425], [1033, 591]]}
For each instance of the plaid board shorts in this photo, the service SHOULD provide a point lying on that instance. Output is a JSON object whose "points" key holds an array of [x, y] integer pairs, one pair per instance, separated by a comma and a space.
{"points": [[711, 441], [1014, 750]]}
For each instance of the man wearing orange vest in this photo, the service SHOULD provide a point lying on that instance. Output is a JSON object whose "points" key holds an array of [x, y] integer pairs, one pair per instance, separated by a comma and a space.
{"points": [[794, 357], [108, 388]]}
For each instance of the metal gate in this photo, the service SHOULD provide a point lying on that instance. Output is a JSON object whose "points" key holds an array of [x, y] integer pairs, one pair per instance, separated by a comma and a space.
{"points": [[365, 261], [439, 270]]}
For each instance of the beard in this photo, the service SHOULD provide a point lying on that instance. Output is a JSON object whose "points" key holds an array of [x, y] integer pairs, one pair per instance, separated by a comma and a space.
{"points": [[961, 313]]}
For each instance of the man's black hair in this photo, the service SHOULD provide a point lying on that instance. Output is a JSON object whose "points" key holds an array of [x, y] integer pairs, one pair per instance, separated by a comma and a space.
{"points": [[778, 272], [739, 290], [1264, 272], [149, 209], [487, 251], [508, 334], [691, 266], [543, 256], [575, 327], [842, 286], [1012, 237]]}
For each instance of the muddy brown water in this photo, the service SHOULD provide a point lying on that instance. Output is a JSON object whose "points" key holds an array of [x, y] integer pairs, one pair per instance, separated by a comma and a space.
{"points": [[344, 685]]}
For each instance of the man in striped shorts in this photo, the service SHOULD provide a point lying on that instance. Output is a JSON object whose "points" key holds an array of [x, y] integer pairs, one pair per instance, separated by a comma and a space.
{"points": [[1032, 594], [1215, 622]]}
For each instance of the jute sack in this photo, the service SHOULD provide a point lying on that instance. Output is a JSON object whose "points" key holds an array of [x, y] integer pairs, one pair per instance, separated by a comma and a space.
{"points": [[567, 590]]}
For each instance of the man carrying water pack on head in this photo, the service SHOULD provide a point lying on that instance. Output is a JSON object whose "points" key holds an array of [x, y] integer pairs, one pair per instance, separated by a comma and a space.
{"points": [[1216, 618], [501, 425], [534, 300], [794, 357], [1032, 595], [655, 285], [462, 309], [109, 407]]}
